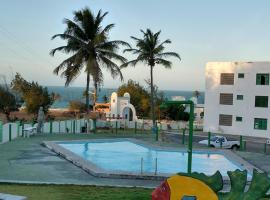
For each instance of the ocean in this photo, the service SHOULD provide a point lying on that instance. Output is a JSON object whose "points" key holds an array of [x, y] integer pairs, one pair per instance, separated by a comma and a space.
{"points": [[68, 94]]}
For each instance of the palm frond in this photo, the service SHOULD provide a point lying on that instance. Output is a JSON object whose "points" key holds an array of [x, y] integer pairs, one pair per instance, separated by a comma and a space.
{"points": [[167, 64], [114, 69], [168, 54]]}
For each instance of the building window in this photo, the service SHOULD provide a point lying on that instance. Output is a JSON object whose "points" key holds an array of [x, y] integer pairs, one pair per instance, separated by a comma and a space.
{"points": [[241, 75], [262, 79], [239, 119], [260, 124], [226, 98], [240, 97], [226, 78], [261, 101], [225, 120]]}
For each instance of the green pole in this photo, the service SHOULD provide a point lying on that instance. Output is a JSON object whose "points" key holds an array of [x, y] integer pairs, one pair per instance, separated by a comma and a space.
{"points": [[59, 126], [80, 126], [241, 142], [22, 129], [116, 124], [156, 131], [264, 149], [184, 136], [191, 120], [74, 127], [220, 143], [142, 126], [51, 126], [65, 126], [94, 125], [9, 132], [1, 131], [18, 128], [209, 138], [135, 127], [111, 126], [190, 141]]}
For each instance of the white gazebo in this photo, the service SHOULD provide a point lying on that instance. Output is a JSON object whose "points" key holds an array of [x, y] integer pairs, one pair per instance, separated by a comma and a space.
{"points": [[122, 108]]}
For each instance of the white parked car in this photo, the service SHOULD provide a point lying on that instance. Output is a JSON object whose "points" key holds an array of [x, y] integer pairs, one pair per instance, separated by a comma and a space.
{"points": [[226, 144]]}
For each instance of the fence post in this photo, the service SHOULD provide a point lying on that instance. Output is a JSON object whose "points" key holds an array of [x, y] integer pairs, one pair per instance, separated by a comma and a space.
{"points": [[244, 145], [156, 167], [116, 125], [264, 149], [141, 165], [51, 126], [9, 132], [209, 137], [142, 125], [74, 127], [22, 129], [184, 136], [220, 143], [135, 127], [18, 128], [241, 142], [59, 124], [1, 131], [65, 126]]}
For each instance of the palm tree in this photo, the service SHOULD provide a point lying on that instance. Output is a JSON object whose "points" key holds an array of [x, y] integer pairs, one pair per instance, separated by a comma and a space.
{"points": [[90, 48], [150, 50]]}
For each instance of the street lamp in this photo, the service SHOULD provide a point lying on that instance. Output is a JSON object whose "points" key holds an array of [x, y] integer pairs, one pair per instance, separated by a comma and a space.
{"points": [[191, 120]]}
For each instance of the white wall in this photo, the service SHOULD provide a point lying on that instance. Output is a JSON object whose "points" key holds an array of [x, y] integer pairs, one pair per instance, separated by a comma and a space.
{"points": [[243, 108]]}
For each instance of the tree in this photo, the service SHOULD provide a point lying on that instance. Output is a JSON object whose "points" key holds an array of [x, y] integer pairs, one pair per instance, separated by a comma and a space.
{"points": [[175, 112], [76, 106], [90, 48], [7, 102], [139, 97], [32, 94], [151, 52]]}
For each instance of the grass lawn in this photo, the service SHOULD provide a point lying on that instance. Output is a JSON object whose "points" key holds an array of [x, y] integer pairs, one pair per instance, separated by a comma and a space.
{"points": [[74, 192]]}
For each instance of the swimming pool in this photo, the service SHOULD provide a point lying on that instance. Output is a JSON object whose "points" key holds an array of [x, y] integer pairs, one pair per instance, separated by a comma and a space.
{"points": [[127, 156]]}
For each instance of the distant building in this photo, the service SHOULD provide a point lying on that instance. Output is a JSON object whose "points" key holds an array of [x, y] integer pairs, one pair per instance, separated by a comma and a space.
{"points": [[237, 98]]}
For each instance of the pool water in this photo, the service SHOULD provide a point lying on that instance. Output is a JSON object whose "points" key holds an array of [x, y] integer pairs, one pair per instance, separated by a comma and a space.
{"points": [[126, 156]]}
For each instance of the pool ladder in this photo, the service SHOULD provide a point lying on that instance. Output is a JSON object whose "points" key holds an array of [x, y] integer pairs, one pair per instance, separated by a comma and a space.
{"points": [[156, 163]]}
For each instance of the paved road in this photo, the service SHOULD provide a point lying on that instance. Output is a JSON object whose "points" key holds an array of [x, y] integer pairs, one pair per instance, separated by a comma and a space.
{"points": [[252, 144]]}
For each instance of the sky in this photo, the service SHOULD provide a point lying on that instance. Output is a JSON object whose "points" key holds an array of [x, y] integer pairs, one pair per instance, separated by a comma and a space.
{"points": [[200, 31]]}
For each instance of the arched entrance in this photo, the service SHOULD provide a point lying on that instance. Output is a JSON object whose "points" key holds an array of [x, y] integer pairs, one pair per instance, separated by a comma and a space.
{"points": [[129, 113]]}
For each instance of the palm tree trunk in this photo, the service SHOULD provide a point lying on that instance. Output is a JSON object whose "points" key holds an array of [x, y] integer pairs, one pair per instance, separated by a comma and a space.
{"points": [[152, 98], [95, 96], [87, 99]]}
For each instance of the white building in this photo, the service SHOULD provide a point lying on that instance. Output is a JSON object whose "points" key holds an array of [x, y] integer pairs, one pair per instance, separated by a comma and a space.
{"points": [[121, 107], [237, 98]]}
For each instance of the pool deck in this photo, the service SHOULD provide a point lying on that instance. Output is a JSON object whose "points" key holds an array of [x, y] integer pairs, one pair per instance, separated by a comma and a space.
{"points": [[26, 160]]}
